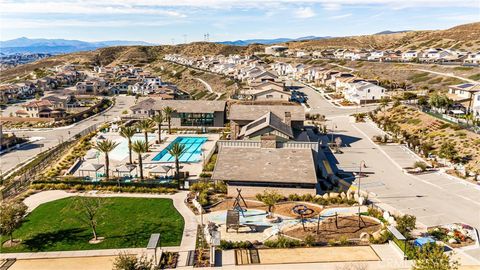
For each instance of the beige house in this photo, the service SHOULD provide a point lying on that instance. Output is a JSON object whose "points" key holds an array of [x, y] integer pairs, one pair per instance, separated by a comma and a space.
{"points": [[241, 115], [268, 91], [267, 125]]}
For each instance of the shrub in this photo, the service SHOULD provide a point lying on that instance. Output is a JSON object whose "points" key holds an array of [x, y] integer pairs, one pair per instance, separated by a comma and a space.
{"points": [[234, 245], [310, 240], [405, 224], [421, 165], [294, 197], [282, 242]]}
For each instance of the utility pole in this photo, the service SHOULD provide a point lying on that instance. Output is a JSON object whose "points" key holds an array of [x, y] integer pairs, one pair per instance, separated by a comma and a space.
{"points": [[362, 164]]}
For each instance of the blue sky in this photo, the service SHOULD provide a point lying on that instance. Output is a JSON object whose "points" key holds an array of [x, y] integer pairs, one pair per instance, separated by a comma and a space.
{"points": [[167, 21]]}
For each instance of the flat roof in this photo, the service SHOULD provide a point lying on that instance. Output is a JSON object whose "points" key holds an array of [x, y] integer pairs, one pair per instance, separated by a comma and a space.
{"points": [[253, 112], [274, 165], [181, 106]]}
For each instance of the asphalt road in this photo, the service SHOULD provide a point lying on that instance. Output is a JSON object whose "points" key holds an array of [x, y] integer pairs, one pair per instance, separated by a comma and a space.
{"points": [[52, 137], [434, 199]]}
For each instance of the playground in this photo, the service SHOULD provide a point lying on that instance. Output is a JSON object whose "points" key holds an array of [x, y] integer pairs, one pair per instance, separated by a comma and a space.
{"points": [[248, 220]]}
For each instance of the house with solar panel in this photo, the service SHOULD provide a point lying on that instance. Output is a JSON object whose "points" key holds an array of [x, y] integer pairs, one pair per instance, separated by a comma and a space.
{"points": [[468, 95]]}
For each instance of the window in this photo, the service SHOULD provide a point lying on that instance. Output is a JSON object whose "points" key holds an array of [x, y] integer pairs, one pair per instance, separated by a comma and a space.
{"points": [[269, 96], [197, 119]]}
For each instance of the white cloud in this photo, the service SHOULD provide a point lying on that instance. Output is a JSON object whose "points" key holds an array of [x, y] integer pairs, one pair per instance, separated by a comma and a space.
{"points": [[331, 6], [38, 24], [303, 13], [336, 17], [168, 7]]}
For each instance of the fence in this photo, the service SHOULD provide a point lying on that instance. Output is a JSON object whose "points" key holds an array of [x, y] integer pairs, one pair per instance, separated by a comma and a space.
{"points": [[451, 119], [28, 172]]}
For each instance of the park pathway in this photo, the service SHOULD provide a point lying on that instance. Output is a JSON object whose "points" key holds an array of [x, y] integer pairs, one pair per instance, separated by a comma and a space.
{"points": [[209, 88], [188, 237]]}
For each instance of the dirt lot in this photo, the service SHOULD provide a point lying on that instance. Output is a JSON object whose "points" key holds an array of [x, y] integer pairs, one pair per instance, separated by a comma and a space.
{"points": [[346, 228], [283, 209], [311, 255], [81, 263]]}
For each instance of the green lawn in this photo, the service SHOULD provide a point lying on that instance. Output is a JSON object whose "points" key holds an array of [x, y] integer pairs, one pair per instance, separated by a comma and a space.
{"points": [[124, 222]]}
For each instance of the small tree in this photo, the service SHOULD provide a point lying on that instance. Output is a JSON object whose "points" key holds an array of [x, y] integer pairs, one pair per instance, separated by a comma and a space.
{"points": [[125, 261], [405, 224], [11, 216], [448, 151], [270, 199], [89, 209], [433, 257]]}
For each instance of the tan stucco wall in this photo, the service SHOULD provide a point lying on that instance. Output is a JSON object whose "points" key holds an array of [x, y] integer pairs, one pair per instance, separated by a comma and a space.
{"points": [[252, 191]]}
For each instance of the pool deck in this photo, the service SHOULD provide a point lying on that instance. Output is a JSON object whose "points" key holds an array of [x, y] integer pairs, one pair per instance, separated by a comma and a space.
{"points": [[194, 168]]}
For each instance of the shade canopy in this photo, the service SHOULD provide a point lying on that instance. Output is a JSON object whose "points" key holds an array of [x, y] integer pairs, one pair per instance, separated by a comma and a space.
{"points": [[91, 167]]}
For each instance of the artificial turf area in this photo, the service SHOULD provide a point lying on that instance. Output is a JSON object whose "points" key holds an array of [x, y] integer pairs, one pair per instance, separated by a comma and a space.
{"points": [[124, 222]]}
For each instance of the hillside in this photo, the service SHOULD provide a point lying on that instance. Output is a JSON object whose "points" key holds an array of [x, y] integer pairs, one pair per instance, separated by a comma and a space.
{"points": [[136, 55], [466, 37]]}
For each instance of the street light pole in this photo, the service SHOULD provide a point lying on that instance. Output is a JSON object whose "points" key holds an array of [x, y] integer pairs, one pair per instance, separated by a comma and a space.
{"points": [[362, 164]]}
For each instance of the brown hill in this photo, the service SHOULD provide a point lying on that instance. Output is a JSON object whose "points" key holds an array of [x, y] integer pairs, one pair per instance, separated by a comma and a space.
{"points": [[465, 37], [136, 55]]}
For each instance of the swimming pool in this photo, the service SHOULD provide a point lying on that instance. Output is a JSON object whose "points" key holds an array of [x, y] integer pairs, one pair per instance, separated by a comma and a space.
{"points": [[193, 150]]}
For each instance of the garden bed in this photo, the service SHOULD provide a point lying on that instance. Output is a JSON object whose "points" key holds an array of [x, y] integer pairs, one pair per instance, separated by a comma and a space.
{"points": [[331, 233]]}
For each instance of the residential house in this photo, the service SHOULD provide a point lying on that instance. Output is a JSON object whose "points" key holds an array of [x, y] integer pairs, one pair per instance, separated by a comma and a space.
{"points": [[241, 115], [376, 56], [364, 92], [410, 55], [466, 94], [45, 108], [91, 87], [268, 91], [472, 58]]}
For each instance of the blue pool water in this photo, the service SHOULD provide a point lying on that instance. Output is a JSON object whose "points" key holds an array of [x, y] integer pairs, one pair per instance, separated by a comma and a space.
{"points": [[193, 150]]}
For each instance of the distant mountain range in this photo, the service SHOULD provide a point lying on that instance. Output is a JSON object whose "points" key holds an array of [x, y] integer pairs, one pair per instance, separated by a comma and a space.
{"points": [[388, 32], [268, 41], [58, 46]]}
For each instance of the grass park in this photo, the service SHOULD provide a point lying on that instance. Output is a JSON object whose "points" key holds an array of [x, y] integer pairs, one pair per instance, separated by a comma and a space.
{"points": [[122, 222]]}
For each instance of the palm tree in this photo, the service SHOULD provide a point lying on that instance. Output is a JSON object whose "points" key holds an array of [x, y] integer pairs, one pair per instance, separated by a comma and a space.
{"points": [[106, 147], [168, 111], [128, 132], [176, 151], [140, 147], [158, 119], [145, 126]]}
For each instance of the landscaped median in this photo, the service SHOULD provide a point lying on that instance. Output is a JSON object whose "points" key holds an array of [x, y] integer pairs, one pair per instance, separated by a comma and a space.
{"points": [[120, 223]]}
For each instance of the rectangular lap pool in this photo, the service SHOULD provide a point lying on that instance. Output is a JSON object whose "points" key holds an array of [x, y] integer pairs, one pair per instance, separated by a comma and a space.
{"points": [[193, 150]]}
